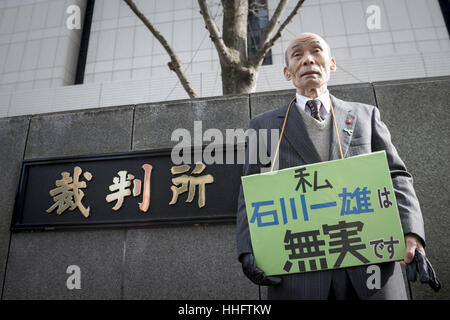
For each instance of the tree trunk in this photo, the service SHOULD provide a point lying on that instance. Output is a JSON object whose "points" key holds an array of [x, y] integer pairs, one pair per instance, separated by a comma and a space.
{"points": [[236, 79], [235, 17], [239, 74]]}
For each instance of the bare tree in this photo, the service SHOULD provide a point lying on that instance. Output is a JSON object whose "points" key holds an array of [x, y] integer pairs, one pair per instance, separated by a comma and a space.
{"points": [[239, 72]]}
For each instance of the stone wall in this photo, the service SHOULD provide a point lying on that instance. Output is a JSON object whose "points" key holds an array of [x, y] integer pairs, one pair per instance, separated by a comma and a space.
{"points": [[194, 261]]}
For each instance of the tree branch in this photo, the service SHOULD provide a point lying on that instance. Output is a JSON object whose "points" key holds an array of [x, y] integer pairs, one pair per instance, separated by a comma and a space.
{"points": [[265, 46], [268, 29], [174, 63], [214, 32]]}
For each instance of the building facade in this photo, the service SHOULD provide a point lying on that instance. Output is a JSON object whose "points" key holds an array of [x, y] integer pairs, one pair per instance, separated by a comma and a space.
{"points": [[123, 63]]}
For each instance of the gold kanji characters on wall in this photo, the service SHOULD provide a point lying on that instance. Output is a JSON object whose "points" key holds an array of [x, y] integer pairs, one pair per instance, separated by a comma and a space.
{"points": [[68, 193], [122, 183], [190, 183]]}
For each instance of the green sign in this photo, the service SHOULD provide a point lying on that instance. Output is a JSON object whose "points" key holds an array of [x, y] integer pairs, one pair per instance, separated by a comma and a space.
{"points": [[326, 215]]}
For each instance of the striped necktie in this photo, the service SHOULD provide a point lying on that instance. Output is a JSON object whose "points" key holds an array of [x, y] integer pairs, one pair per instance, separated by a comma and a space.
{"points": [[314, 106]]}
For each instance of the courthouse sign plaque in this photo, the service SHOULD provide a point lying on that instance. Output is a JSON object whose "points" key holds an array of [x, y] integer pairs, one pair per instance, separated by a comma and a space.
{"points": [[126, 189]]}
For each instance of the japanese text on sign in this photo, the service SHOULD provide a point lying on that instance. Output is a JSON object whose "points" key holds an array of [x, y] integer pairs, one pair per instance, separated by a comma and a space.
{"points": [[328, 215]]}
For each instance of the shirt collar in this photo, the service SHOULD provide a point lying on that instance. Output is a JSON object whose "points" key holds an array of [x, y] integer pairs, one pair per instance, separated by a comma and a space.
{"points": [[324, 98]]}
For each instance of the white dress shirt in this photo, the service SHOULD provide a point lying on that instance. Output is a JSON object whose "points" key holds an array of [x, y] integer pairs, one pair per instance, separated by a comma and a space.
{"points": [[324, 98]]}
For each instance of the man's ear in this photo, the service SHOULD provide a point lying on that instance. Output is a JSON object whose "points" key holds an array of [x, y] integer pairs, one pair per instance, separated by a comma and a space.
{"points": [[287, 74], [333, 65]]}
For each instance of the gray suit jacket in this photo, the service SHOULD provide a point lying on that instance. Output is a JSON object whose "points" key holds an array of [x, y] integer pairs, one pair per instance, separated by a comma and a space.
{"points": [[369, 134]]}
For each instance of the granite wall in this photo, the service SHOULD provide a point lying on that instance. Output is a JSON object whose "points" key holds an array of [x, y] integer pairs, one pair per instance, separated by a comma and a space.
{"points": [[194, 261]]}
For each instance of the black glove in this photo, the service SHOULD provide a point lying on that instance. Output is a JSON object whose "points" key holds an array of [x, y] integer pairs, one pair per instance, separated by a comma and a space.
{"points": [[421, 265], [255, 274]]}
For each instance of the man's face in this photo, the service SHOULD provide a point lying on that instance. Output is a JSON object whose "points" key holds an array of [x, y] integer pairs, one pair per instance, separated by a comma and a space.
{"points": [[310, 62]]}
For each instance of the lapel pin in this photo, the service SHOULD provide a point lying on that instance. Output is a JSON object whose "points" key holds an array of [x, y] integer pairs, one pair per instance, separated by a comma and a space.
{"points": [[349, 131], [349, 121]]}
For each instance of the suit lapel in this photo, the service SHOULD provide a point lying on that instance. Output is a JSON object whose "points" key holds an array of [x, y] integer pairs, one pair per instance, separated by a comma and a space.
{"points": [[295, 133], [345, 121]]}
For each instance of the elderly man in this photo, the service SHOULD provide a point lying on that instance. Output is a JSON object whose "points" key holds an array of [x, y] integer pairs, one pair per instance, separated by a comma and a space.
{"points": [[309, 137]]}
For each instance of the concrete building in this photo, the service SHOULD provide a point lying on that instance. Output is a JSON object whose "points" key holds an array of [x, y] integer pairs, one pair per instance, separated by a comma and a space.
{"points": [[125, 64]]}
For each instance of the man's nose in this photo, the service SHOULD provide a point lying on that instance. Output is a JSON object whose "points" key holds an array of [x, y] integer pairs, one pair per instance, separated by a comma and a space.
{"points": [[308, 59]]}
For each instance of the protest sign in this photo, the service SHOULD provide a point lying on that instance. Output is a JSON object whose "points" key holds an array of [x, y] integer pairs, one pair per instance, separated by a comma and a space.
{"points": [[327, 215]]}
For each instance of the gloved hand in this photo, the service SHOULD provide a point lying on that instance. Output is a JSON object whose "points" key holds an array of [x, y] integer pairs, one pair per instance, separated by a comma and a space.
{"points": [[255, 274], [421, 265]]}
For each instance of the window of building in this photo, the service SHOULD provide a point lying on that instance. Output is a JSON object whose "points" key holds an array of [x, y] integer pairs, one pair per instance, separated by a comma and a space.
{"points": [[445, 7], [84, 44], [258, 17]]}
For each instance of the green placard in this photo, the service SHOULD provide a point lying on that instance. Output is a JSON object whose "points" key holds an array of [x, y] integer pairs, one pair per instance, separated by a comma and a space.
{"points": [[327, 215]]}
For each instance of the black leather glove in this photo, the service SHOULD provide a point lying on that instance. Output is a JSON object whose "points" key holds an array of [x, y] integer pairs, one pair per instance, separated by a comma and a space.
{"points": [[255, 274], [421, 265]]}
